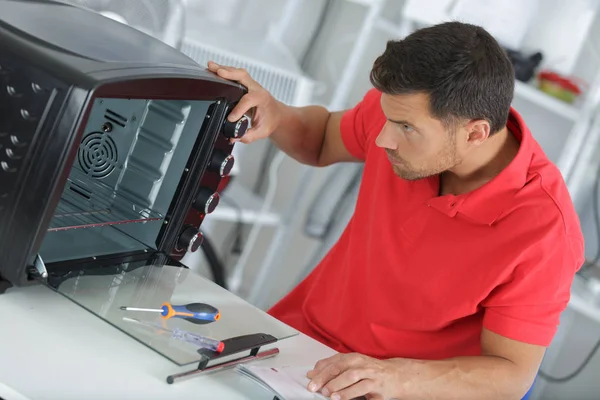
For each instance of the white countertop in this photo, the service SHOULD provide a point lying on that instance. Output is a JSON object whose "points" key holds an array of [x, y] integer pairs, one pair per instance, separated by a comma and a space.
{"points": [[51, 348]]}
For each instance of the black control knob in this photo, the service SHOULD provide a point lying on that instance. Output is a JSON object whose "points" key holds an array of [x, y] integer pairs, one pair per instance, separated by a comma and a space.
{"points": [[206, 201], [235, 130], [190, 239], [221, 163]]}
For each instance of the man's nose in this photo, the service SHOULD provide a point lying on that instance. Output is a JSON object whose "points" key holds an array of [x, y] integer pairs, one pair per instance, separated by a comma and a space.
{"points": [[386, 139]]}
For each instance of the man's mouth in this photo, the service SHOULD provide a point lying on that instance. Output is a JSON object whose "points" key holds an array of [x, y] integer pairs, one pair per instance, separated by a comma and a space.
{"points": [[395, 161]]}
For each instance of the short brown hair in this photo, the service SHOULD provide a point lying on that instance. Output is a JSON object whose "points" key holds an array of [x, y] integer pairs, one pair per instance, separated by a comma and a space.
{"points": [[462, 68]]}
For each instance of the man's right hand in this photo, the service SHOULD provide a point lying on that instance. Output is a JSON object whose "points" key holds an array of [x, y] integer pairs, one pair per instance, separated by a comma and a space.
{"points": [[258, 102], [309, 134]]}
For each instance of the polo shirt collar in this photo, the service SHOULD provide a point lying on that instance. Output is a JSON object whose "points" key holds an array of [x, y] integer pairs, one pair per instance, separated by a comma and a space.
{"points": [[485, 204]]}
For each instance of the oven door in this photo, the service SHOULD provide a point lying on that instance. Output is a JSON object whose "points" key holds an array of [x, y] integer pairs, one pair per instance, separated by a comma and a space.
{"points": [[128, 295]]}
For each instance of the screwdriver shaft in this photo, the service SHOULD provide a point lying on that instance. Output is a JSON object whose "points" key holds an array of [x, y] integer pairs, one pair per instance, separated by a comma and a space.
{"points": [[142, 309]]}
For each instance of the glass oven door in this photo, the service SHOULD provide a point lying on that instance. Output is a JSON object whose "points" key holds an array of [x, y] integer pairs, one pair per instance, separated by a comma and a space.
{"points": [[104, 290]]}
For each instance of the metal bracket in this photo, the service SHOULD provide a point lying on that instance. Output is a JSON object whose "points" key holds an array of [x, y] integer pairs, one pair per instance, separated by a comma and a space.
{"points": [[195, 372], [40, 267], [236, 345]]}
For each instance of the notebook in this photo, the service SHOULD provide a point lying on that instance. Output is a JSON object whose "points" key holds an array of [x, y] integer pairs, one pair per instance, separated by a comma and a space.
{"points": [[286, 383]]}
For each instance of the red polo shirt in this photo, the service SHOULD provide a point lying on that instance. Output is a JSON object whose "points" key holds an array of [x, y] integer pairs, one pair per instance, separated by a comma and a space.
{"points": [[419, 275]]}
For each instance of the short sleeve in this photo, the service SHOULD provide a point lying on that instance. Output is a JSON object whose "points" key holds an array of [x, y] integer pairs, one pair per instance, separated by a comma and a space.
{"points": [[527, 306], [357, 122]]}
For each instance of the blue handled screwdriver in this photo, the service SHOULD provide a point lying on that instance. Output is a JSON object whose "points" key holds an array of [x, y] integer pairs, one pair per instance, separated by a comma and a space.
{"points": [[197, 313]]}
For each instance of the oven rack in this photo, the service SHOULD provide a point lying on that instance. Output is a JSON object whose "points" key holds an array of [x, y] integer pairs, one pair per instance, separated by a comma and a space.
{"points": [[97, 207]]}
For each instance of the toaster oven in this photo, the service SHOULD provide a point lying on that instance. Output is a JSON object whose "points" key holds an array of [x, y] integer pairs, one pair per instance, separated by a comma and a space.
{"points": [[113, 145]]}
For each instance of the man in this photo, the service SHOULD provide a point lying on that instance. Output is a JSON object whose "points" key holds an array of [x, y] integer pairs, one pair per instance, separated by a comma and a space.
{"points": [[450, 278]]}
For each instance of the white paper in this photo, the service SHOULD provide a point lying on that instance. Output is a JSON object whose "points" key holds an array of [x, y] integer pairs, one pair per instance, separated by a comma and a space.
{"points": [[288, 383]]}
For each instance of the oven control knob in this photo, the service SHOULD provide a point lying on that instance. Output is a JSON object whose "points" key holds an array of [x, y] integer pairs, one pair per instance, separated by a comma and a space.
{"points": [[206, 201], [235, 130], [190, 239], [221, 163]]}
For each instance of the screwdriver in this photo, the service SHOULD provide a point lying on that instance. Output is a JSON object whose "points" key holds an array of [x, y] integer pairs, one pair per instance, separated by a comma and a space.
{"points": [[195, 339], [197, 313]]}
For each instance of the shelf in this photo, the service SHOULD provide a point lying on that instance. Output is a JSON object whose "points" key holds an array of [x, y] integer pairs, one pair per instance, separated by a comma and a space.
{"points": [[239, 204], [534, 95], [91, 204]]}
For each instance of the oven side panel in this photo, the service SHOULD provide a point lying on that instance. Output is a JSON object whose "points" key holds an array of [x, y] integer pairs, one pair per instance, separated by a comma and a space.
{"points": [[38, 114]]}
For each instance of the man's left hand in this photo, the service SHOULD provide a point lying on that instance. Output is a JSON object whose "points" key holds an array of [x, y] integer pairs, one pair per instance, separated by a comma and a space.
{"points": [[348, 376]]}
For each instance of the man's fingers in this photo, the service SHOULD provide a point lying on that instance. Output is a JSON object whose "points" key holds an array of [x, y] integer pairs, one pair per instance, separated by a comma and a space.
{"points": [[213, 66], [361, 388], [349, 359], [233, 74], [324, 363], [246, 103], [346, 379], [257, 103], [324, 376], [253, 134], [238, 75]]}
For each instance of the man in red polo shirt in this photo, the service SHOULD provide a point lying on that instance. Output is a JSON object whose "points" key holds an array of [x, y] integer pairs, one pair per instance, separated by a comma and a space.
{"points": [[450, 278]]}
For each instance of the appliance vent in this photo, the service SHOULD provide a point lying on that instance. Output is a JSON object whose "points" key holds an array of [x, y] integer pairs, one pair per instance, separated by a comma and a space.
{"points": [[98, 155], [80, 190], [115, 118]]}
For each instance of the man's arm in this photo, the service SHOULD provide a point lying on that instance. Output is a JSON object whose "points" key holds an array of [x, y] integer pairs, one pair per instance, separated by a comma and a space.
{"points": [[311, 135], [505, 371]]}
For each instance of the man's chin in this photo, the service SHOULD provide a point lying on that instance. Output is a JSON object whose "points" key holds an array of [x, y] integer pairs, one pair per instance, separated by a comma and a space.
{"points": [[406, 174]]}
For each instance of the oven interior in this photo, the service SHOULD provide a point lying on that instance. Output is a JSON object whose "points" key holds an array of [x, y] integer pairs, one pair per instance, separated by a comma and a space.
{"points": [[129, 163]]}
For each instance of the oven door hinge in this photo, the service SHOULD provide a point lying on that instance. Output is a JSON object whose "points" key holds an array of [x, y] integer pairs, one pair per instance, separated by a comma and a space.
{"points": [[39, 268]]}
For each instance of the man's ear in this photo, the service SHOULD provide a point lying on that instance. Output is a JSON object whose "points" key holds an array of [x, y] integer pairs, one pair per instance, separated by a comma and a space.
{"points": [[477, 132]]}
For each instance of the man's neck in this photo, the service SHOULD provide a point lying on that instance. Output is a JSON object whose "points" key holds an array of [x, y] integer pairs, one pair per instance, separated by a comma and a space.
{"points": [[482, 166]]}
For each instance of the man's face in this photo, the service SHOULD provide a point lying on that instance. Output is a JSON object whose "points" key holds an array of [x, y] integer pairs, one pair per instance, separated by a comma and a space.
{"points": [[417, 144]]}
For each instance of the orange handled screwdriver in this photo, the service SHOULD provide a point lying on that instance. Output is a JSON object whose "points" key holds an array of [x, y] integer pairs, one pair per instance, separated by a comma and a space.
{"points": [[197, 313]]}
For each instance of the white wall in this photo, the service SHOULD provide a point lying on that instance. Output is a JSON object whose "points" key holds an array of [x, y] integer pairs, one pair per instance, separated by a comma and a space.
{"points": [[263, 16]]}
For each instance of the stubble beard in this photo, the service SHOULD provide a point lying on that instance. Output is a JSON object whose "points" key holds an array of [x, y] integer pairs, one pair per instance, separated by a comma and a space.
{"points": [[446, 160]]}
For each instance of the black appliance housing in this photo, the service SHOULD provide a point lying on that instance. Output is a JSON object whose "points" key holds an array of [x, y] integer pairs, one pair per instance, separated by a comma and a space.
{"points": [[112, 144]]}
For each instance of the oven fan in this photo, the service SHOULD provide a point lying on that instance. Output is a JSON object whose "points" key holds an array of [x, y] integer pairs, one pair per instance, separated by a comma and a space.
{"points": [[97, 155]]}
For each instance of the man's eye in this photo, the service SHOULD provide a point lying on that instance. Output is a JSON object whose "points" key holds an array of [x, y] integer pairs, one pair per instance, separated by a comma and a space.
{"points": [[407, 128]]}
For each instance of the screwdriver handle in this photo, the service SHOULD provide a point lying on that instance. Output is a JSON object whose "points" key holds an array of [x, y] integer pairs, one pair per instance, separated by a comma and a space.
{"points": [[197, 313]]}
